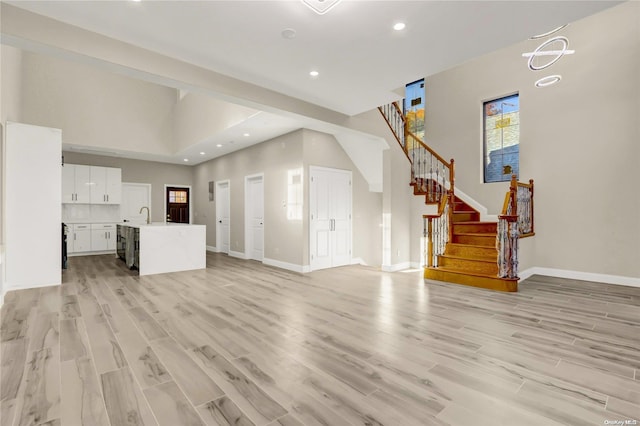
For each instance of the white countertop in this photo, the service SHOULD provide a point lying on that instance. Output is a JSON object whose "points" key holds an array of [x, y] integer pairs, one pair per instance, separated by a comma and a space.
{"points": [[158, 224]]}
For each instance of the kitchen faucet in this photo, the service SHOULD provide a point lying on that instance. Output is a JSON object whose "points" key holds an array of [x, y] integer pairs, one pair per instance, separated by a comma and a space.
{"points": [[148, 219]]}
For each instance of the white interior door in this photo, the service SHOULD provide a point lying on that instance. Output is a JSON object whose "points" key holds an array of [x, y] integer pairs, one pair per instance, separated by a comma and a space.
{"points": [[341, 215], [330, 217], [223, 213], [134, 197], [254, 214]]}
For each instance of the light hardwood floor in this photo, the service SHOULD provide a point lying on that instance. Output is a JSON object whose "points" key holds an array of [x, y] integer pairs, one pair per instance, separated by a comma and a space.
{"points": [[244, 344]]}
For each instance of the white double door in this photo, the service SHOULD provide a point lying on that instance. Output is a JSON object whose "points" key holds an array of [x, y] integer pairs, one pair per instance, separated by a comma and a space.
{"points": [[330, 217]]}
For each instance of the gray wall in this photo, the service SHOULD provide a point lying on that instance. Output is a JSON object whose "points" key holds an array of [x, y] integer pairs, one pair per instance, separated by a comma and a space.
{"points": [[321, 149], [282, 237], [137, 171], [579, 141], [287, 240]]}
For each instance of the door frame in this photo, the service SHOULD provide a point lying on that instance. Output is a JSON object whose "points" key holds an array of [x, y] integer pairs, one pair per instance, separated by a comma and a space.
{"points": [[217, 198], [164, 202], [248, 247], [144, 185], [312, 169]]}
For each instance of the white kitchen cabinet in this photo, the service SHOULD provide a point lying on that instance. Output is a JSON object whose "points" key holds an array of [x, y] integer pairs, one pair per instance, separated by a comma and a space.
{"points": [[106, 185], [80, 239], [76, 184], [103, 237]]}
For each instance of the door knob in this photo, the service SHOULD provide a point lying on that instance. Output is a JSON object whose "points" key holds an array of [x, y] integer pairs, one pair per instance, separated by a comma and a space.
{"points": [[219, 221]]}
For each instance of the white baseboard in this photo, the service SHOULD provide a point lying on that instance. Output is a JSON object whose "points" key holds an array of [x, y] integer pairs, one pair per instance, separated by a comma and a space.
{"points": [[358, 261], [1, 298], [396, 267], [212, 249], [582, 276], [8, 288], [303, 269], [238, 254]]}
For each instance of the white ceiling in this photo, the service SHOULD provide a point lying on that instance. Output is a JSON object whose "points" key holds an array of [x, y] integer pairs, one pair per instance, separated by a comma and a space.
{"points": [[363, 63], [360, 58]]}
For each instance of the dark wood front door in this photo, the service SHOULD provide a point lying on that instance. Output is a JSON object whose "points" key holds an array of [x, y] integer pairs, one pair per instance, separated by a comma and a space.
{"points": [[177, 204]]}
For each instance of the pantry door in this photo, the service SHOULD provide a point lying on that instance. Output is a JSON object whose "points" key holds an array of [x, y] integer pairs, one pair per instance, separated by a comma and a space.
{"points": [[329, 217]]}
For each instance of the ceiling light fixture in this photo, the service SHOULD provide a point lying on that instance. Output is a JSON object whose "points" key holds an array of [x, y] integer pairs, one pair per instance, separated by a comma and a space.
{"points": [[548, 80], [201, 152], [246, 135], [321, 6], [399, 26], [219, 145], [186, 159], [314, 73], [548, 33], [556, 53]]}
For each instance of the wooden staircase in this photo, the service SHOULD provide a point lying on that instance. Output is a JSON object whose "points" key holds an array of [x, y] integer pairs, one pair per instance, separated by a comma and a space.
{"points": [[470, 257], [459, 247]]}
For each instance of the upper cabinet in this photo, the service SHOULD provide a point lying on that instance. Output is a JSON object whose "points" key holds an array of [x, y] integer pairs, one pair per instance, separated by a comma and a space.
{"points": [[106, 185], [91, 184], [76, 184]]}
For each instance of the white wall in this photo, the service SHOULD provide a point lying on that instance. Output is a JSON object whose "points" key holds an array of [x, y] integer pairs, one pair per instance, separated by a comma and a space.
{"points": [[97, 108], [197, 117], [10, 108], [579, 141]]}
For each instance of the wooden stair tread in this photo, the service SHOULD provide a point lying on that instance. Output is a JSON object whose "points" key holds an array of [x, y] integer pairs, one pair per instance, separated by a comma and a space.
{"points": [[477, 234], [486, 259], [473, 279], [468, 245], [475, 222], [475, 274]]}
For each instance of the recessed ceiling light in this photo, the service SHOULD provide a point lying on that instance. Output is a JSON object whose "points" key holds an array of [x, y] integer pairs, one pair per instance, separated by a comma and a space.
{"points": [[219, 145], [246, 135], [399, 26], [186, 159], [314, 73], [202, 153], [288, 33], [548, 81]]}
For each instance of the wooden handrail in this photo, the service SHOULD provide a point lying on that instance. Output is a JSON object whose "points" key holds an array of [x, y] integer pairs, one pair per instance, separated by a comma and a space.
{"points": [[511, 200], [425, 146]]}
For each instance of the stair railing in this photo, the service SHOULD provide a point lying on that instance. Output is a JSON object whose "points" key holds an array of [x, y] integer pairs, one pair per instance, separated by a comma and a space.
{"points": [[437, 231], [515, 222], [430, 173]]}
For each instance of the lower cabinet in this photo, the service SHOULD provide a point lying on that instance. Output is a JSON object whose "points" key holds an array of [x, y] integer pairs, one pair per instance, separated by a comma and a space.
{"points": [[80, 240], [95, 237], [103, 237]]}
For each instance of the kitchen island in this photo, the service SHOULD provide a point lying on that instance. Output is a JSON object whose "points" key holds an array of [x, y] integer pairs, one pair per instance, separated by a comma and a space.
{"points": [[160, 247]]}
